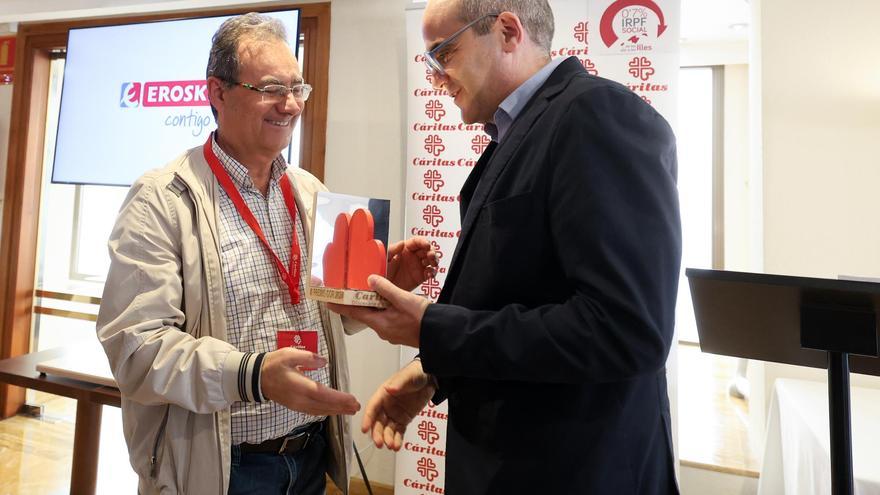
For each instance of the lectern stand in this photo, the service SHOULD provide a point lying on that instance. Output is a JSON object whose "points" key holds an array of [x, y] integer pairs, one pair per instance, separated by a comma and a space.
{"points": [[820, 323]]}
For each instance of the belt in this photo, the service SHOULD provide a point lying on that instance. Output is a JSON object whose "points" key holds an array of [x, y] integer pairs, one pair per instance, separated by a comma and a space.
{"points": [[295, 441]]}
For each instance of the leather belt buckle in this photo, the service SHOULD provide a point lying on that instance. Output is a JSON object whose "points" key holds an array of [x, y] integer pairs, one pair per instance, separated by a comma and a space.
{"points": [[296, 442]]}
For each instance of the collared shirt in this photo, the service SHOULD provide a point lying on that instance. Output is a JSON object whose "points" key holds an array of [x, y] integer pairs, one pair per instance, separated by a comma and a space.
{"points": [[510, 108], [257, 301]]}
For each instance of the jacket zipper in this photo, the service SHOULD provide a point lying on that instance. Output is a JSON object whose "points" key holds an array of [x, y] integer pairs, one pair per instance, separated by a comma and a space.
{"points": [[154, 466], [220, 452], [198, 207], [328, 334], [334, 378]]}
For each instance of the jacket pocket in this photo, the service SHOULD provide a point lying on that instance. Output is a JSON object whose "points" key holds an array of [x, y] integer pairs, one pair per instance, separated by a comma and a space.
{"points": [[511, 210], [514, 241]]}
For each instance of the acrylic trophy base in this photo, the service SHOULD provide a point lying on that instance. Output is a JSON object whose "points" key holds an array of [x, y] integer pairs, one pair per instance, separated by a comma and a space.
{"points": [[348, 297]]}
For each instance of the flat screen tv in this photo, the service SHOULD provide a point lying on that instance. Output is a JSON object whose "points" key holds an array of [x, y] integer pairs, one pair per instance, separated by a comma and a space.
{"points": [[134, 97]]}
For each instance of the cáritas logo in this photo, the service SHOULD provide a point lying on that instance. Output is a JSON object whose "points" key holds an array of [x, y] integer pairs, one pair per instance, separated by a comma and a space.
{"points": [[164, 94]]}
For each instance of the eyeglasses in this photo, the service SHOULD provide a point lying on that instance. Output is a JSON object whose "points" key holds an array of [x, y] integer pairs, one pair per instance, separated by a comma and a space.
{"points": [[279, 92], [436, 58]]}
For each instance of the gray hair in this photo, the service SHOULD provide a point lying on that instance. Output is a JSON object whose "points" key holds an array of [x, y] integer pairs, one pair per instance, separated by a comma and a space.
{"points": [[536, 16], [223, 61]]}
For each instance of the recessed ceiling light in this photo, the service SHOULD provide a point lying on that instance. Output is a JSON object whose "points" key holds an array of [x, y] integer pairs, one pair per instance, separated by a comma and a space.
{"points": [[738, 26]]}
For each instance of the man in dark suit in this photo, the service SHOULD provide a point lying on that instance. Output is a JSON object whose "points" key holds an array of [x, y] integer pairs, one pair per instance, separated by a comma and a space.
{"points": [[550, 337]]}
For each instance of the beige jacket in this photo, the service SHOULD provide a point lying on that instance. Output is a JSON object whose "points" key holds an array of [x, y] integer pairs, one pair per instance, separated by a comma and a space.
{"points": [[162, 325]]}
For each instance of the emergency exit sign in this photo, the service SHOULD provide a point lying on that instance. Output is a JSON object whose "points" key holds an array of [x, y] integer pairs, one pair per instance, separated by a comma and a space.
{"points": [[7, 58]]}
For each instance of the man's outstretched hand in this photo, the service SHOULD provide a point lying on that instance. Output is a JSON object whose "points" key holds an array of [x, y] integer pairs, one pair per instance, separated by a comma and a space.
{"points": [[282, 381], [395, 404]]}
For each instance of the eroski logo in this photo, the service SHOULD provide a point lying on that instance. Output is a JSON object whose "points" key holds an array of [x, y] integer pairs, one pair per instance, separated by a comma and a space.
{"points": [[180, 100], [164, 94], [130, 95]]}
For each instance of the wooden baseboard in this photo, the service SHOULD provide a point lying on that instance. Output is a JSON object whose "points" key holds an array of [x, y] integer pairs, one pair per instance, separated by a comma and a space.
{"points": [[748, 473], [358, 487]]}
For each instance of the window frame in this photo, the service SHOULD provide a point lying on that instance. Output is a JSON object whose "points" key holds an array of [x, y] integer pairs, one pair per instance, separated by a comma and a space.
{"points": [[717, 241]]}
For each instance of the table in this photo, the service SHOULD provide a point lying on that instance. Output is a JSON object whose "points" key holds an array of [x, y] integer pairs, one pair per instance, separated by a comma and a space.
{"points": [[90, 397], [797, 449]]}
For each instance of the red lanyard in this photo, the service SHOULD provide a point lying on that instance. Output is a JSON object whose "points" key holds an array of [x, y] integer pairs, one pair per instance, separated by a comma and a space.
{"points": [[289, 277]]}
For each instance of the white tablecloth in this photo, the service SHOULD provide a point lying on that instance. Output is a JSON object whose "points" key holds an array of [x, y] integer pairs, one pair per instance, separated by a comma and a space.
{"points": [[797, 450]]}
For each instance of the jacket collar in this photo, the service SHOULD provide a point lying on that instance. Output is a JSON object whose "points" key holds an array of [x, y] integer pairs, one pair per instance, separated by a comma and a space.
{"points": [[200, 181]]}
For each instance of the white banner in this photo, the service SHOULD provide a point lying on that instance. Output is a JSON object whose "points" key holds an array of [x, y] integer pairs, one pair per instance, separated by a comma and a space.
{"points": [[634, 42]]}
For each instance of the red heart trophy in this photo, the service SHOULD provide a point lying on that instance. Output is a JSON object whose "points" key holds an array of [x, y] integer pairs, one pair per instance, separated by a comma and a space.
{"points": [[340, 268]]}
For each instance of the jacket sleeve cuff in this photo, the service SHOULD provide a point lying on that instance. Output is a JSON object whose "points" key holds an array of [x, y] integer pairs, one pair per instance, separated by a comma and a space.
{"points": [[441, 384], [241, 376], [430, 376]]}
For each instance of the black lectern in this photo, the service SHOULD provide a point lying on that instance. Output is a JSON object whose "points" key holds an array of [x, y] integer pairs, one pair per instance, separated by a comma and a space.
{"points": [[820, 323]]}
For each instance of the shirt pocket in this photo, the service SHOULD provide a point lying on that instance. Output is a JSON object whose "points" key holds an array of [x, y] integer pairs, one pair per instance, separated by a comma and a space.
{"points": [[233, 247]]}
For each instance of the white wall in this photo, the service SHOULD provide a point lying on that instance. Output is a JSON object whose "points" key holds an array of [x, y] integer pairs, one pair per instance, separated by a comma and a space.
{"points": [[725, 52], [808, 185], [737, 230], [365, 153], [740, 234], [821, 122], [821, 119]]}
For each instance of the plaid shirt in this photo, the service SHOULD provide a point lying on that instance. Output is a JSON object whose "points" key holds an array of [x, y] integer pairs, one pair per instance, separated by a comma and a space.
{"points": [[257, 301]]}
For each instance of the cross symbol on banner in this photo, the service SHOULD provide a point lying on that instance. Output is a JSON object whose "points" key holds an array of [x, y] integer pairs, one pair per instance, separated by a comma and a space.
{"points": [[437, 248], [647, 100], [581, 30], [431, 215], [429, 76], [433, 180], [640, 68], [434, 145], [589, 66], [427, 468], [434, 110], [428, 432], [479, 143], [431, 289]]}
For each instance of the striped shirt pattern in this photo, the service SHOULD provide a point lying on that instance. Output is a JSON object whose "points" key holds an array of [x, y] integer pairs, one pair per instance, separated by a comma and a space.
{"points": [[257, 301]]}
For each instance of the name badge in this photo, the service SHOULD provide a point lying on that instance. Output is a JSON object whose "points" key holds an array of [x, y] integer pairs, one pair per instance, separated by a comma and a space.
{"points": [[306, 340]]}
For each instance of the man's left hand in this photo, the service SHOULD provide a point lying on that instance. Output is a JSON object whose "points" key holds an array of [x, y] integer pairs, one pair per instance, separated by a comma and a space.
{"points": [[411, 262], [400, 323]]}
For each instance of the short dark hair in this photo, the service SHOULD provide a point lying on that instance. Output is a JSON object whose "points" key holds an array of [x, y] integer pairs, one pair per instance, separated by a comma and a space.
{"points": [[536, 16]]}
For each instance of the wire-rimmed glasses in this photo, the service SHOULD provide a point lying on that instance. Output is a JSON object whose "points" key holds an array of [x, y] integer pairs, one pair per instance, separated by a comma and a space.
{"points": [[279, 92], [436, 57]]}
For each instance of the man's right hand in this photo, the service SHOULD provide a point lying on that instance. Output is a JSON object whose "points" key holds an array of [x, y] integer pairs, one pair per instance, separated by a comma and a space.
{"points": [[282, 381], [396, 403]]}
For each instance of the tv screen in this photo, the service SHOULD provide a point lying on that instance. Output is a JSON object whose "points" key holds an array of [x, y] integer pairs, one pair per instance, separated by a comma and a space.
{"points": [[134, 97]]}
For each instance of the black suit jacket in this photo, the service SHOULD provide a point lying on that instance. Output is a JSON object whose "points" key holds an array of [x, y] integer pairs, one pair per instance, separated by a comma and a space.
{"points": [[552, 330]]}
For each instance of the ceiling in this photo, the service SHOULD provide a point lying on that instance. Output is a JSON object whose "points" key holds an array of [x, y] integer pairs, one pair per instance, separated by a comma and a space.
{"points": [[701, 20], [714, 20]]}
